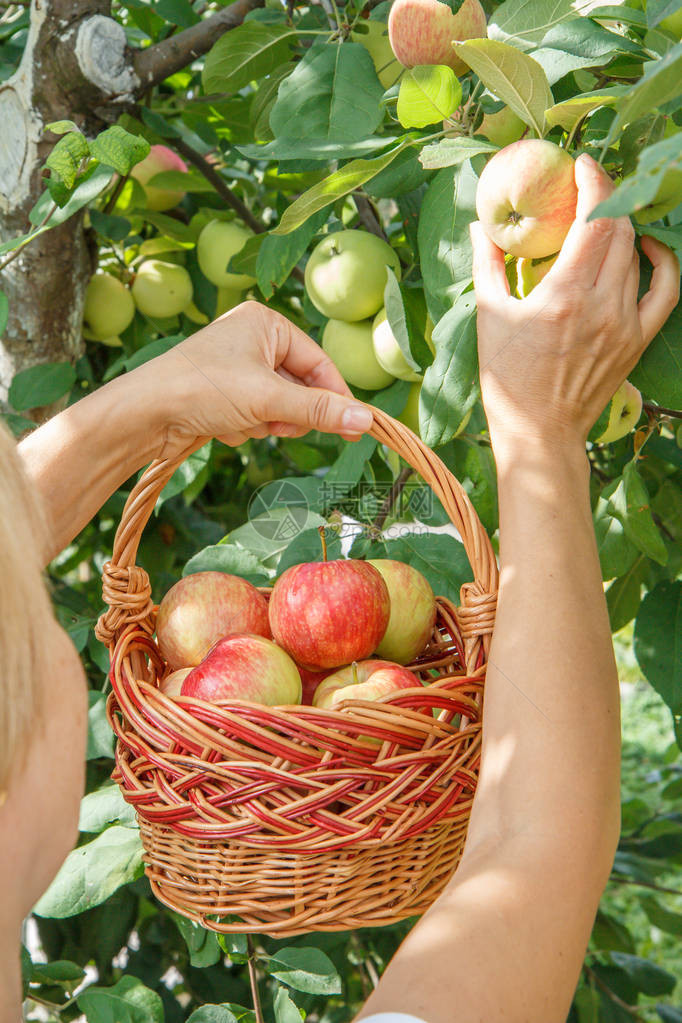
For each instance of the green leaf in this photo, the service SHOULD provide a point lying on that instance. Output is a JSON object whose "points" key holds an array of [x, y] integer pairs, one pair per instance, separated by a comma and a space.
{"points": [[62, 127], [100, 735], [279, 254], [428, 94], [59, 971], [268, 534], [661, 82], [450, 385], [657, 10], [246, 53], [227, 557], [4, 312], [315, 149], [658, 374], [67, 156], [285, 1009], [307, 547], [623, 596], [186, 473], [332, 94], [448, 207], [115, 147], [305, 969], [617, 554], [91, 873], [202, 944], [580, 43], [669, 1014], [641, 187], [103, 807], [658, 642], [451, 152], [660, 916], [402, 320], [609, 933], [324, 193], [41, 385], [525, 25], [647, 976], [17, 425], [177, 12], [213, 1014], [438, 556], [92, 184], [570, 111], [168, 226], [348, 468], [151, 350], [512, 76], [630, 504], [113, 227], [127, 1001]]}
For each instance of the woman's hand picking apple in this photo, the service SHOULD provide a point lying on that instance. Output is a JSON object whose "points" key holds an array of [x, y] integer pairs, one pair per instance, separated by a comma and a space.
{"points": [[551, 362], [248, 374]]}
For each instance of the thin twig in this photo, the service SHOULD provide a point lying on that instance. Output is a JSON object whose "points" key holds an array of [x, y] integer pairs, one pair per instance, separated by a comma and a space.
{"points": [[631, 1009], [253, 980], [645, 884], [659, 410], [368, 216], [113, 198], [391, 498], [19, 249]]}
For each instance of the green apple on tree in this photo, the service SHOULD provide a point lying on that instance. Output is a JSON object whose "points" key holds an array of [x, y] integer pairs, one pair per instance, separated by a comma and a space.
{"points": [[413, 611], [109, 307], [668, 196], [422, 31], [218, 242], [529, 273], [427, 94], [410, 414], [387, 349], [161, 289], [373, 35], [157, 161], [526, 198], [228, 298], [349, 346], [346, 275], [501, 128], [619, 417]]}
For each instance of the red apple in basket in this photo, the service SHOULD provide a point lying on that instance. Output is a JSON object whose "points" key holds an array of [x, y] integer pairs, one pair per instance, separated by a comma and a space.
{"points": [[329, 613], [172, 684], [364, 680], [310, 680], [526, 198], [413, 611], [245, 668], [201, 609]]}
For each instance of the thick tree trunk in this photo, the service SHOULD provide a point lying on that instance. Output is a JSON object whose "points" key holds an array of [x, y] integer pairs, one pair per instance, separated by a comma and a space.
{"points": [[76, 65]]}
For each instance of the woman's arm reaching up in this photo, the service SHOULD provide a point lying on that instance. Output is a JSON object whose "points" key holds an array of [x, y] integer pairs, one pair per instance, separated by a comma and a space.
{"points": [[506, 939]]}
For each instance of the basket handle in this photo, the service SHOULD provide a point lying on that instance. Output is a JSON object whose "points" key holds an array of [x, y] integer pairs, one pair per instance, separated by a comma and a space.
{"points": [[126, 587]]}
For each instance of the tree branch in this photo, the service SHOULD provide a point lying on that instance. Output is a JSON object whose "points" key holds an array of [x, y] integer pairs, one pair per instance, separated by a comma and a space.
{"points": [[368, 217], [658, 410], [391, 498], [157, 62], [631, 1009]]}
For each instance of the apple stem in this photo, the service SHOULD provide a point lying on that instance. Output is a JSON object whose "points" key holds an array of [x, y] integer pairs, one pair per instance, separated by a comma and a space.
{"points": [[323, 541], [354, 669]]}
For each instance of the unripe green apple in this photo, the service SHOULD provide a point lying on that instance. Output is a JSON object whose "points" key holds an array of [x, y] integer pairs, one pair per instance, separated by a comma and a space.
{"points": [[668, 196], [427, 94], [227, 299], [530, 272], [217, 244], [349, 346], [195, 315], [373, 35], [387, 349], [673, 24], [410, 414], [501, 128], [346, 275], [162, 289], [158, 160], [422, 31], [623, 412], [526, 198], [109, 307]]}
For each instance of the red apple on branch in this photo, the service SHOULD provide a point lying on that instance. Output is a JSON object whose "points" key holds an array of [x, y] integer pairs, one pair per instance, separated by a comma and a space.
{"points": [[413, 611], [526, 198], [363, 680], [245, 668], [328, 613], [158, 160], [201, 609], [422, 31]]}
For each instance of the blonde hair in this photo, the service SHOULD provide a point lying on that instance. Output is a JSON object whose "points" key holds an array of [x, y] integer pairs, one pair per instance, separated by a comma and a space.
{"points": [[24, 609]]}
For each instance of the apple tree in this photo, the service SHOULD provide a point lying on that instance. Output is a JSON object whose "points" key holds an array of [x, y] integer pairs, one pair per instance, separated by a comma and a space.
{"points": [[161, 159]]}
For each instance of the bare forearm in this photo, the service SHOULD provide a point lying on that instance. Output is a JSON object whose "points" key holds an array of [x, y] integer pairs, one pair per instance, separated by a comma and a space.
{"points": [[551, 741], [81, 456]]}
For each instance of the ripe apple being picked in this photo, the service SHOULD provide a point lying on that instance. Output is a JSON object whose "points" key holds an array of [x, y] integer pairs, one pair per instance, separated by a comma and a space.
{"points": [[364, 680], [158, 160], [109, 307], [203, 608], [346, 274], [349, 346], [422, 31], [526, 198], [328, 613], [162, 289], [245, 668], [413, 611], [218, 242]]}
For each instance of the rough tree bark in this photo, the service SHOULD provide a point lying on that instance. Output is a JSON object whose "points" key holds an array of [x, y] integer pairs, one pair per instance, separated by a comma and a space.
{"points": [[76, 65]]}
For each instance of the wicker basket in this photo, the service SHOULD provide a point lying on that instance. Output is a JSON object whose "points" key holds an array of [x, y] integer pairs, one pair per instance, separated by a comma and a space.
{"points": [[283, 820]]}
